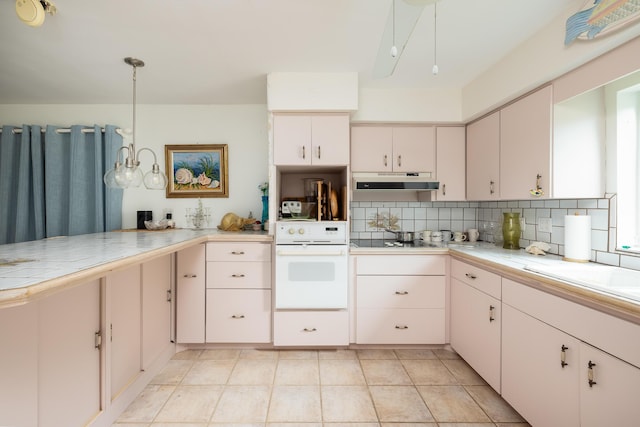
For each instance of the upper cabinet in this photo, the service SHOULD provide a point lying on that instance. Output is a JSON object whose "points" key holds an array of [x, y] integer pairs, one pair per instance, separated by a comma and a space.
{"points": [[450, 161], [393, 149], [483, 158], [311, 139], [525, 146]]}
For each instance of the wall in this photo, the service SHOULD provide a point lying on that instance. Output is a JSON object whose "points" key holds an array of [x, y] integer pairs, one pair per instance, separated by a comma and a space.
{"points": [[242, 127]]}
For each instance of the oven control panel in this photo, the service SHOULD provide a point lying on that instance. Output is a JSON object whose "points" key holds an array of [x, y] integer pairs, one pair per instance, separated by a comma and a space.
{"points": [[311, 232]]}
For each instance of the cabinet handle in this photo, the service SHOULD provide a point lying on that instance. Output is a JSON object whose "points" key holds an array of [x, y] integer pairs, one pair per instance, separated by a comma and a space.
{"points": [[563, 356], [304, 153], [385, 160], [402, 293], [237, 276], [402, 327], [471, 276], [491, 190], [237, 252], [590, 373], [492, 310], [169, 295], [444, 189], [97, 340], [318, 152], [399, 160], [238, 316], [190, 276], [309, 330]]}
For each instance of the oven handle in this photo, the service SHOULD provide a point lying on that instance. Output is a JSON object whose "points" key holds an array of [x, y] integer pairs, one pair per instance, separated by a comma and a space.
{"points": [[306, 253]]}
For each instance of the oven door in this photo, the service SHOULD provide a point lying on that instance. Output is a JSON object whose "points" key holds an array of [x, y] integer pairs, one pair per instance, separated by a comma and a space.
{"points": [[311, 277]]}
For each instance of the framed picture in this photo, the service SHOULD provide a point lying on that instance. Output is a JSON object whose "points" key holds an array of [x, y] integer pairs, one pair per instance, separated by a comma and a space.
{"points": [[197, 170]]}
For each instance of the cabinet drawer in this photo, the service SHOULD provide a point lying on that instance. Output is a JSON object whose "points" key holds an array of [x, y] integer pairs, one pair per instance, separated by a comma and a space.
{"points": [[238, 315], [311, 328], [238, 251], [400, 326], [489, 283], [409, 265], [400, 292], [239, 275]]}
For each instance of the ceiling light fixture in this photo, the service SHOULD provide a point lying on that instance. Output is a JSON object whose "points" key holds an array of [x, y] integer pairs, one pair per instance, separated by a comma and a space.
{"points": [[32, 12], [128, 174], [435, 70], [394, 49]]}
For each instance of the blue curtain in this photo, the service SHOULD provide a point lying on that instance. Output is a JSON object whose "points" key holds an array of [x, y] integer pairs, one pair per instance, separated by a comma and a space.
{"points": [[51, 184]]}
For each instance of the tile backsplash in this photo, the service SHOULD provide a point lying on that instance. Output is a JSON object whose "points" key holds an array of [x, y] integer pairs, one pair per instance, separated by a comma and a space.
{"points": [[460, 216]]}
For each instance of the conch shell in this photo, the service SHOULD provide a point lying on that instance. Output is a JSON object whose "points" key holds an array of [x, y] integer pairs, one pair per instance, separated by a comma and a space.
{"points": [[233, 222]]}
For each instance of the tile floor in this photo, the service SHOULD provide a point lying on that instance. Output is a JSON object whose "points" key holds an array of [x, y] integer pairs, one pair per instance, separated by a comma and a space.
{"points": [[332, 388]]}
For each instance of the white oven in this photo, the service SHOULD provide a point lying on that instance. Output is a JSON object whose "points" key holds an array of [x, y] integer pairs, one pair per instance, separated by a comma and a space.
{"points": [[311, 266]]}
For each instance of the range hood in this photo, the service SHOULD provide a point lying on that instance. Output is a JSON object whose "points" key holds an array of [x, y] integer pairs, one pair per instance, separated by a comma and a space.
{"points": [[413, 181]]}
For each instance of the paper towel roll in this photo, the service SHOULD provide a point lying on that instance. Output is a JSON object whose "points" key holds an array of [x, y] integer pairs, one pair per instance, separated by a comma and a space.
{"points": [[577, 238]]}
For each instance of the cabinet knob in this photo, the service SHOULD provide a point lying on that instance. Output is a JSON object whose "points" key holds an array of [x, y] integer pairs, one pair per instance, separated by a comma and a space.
{"points": [[491, 189], [402, 327], [402, 293], [444, 189], [399, 160], [237, 276], [242, 252], [385, 160], [471, 276], [304, 152], [318, 152], [238, 316], [309, 330], [190, 276], [492, 316]]}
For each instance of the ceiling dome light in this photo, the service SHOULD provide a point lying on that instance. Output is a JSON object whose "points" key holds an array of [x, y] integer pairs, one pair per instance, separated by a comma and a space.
{"points": [[32, 12]]}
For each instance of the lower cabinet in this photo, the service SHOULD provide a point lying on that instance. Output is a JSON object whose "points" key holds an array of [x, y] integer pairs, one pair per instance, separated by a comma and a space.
{"points": [[400, 299], [238, 315], [190, 295], [156, 308], [311, 328], [540, 370], [564, 363]]}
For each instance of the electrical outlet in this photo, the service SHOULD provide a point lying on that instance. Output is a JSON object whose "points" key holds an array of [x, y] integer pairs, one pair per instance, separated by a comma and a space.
{"points": [[544, 225]]}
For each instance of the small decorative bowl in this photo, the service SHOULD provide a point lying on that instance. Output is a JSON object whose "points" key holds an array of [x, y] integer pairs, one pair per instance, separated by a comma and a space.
{"points": [[156, 225]]}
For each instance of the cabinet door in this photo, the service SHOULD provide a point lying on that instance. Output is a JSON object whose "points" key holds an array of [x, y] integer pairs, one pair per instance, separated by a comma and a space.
{"points": [[534, 380], [475, 330], [238, 315], [292, 139], [123, 290], [450, 163], [156, 308], [330, 139], [190, 298], [612, 397], [69, 362], [371, 148], [483, 158], [525, 146], [414, 149]]}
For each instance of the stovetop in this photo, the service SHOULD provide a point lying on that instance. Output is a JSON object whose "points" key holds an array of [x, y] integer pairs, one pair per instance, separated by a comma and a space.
{"points": [[383, 243]]}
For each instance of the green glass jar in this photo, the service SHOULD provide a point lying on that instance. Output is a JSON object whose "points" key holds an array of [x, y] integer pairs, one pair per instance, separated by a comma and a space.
{"points": [[511, 230]]}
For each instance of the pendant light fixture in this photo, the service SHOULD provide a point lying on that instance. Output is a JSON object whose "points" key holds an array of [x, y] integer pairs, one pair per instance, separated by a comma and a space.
{"points": [[435, 70], [128, 174], [394, 49]]}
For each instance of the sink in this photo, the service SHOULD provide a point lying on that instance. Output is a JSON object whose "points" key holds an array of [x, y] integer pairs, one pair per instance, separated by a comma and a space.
{"points": [[617, 281]]}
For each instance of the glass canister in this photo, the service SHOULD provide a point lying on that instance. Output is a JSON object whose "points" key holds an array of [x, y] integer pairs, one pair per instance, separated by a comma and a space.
{"points": [[511, 230]]}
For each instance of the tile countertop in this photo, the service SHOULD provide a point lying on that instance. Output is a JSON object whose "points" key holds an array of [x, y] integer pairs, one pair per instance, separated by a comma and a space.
{"points": [[613, 290], [37, 268]]}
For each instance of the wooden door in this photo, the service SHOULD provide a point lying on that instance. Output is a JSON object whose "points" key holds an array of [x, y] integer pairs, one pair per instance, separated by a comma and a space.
{"points": [[414, 149], [371, 149], [525, 146], [451, 163], [483, 158]]}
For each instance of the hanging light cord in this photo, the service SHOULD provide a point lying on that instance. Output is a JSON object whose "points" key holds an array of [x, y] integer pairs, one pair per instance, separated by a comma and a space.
{"points": [[435, 39]]}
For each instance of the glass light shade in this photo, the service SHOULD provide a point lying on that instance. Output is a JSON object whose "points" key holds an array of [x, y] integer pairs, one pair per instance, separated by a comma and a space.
{"points": [[155, 180], [110, 179], [128, 176]]}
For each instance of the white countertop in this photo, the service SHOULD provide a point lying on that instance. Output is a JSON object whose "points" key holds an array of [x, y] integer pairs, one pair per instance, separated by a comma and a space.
{"points": [[29, 268]]}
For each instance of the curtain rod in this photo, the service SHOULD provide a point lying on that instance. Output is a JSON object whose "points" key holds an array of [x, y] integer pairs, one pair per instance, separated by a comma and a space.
{"points": [[61, 130]]}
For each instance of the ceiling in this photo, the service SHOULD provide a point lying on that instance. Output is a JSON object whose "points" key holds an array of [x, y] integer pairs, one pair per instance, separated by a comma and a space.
{"points": [[220, 51]]}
